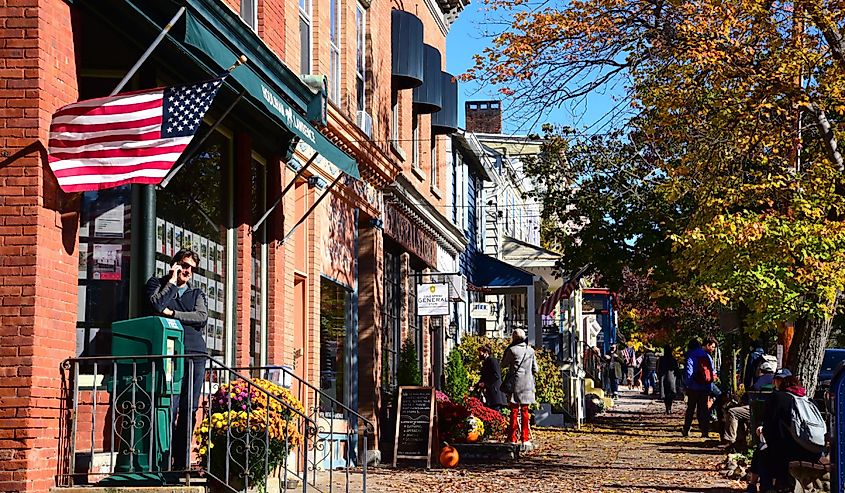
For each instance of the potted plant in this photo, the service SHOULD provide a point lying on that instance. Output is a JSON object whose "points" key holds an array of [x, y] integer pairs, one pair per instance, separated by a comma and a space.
{"points": [[251, 425]]}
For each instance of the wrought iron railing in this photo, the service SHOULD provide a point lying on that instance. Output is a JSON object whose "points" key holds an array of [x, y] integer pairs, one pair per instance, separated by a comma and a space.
{"points": [[121, 424], [342, 438]]}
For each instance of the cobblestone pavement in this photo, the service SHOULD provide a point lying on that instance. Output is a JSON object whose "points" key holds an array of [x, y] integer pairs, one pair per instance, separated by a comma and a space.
{"points": [[634, 448]]}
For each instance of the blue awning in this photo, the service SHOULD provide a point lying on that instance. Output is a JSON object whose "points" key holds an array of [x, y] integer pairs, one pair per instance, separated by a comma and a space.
{"points": [[492, 272]]}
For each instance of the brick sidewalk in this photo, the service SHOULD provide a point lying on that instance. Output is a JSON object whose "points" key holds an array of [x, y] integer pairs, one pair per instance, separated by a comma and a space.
{"points": [[634, 448]]}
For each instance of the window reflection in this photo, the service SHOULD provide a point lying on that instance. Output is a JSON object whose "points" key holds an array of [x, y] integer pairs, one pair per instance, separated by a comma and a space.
{"points": [[191, 213]]}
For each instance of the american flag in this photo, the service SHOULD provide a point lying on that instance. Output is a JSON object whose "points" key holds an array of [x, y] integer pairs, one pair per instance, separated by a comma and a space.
{"points": [[128, 138], [562, 293]]}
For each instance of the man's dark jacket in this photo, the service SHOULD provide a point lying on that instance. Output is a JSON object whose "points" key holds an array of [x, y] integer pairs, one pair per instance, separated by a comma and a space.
{"points": [[649, 362], [190, 309], [491, 376]]}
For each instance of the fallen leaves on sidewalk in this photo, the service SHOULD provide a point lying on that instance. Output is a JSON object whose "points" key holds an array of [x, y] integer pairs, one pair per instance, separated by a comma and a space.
{"points": [[634, 448]]}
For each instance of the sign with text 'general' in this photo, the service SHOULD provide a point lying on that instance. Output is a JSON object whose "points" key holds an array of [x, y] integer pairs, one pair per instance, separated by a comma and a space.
{"points": [[414, 424], [432, 299]]}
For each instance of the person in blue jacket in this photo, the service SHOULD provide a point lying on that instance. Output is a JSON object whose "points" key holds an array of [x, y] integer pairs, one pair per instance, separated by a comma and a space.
{"points": [[698, 378]]}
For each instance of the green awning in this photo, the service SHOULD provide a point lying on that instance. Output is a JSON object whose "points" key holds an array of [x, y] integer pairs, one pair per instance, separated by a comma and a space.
{"points": [[266, 93]]}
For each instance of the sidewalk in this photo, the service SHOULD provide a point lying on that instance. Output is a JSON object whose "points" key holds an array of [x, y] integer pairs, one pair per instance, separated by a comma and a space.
{"points": [[633, 448]]}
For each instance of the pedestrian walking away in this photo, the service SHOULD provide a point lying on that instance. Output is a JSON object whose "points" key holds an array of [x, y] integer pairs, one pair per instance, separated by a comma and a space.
{"points": [[698, 379], [521, 363], [173, 296], [649, 367], [667, 366]]}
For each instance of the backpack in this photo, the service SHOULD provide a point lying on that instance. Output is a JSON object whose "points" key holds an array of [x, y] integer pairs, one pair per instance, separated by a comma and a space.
{"points": [[703, 373], [807, 427]]}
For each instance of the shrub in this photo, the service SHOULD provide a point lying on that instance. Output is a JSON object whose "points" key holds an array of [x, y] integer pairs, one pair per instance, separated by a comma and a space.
{"points": [[457, 380], [408, 373], [549, 382]]}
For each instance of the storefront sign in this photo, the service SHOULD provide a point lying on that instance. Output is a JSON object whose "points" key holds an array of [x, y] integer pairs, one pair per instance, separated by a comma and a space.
{"points": [[480, 310], [432, 299], [414, 424], [410, 235]]}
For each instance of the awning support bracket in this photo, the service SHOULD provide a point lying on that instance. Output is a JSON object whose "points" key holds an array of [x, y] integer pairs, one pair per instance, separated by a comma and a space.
{"points": [[278, 200], [311, 209]]}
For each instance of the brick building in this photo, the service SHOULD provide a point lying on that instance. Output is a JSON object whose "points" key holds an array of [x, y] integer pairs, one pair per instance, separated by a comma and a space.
{"points": [[329, 298]]}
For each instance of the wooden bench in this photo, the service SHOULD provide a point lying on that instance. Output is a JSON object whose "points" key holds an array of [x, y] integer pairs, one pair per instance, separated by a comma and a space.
{"points": [[810, 476]]}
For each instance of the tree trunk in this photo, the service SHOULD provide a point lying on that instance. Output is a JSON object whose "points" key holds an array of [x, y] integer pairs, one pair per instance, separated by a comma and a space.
{"points": [[807, 350]]}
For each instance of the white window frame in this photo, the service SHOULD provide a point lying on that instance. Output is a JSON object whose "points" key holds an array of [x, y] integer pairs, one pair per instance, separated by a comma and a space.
{"points": [[335, 33], [433, 172], [361, 57], [305, 10], [249, 13], [415, 140]]}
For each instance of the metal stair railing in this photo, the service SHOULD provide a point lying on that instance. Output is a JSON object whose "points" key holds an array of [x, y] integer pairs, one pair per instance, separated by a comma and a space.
{"points": [[340, 429], [117, 428]]}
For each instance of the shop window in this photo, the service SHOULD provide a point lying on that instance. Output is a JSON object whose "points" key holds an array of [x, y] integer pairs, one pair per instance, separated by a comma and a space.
{"points": [[195, 212], [258, 282], [360, 56], [334, 50], [414, 320], [305, 36], [334, 333], [392, 328], [103, 274]]}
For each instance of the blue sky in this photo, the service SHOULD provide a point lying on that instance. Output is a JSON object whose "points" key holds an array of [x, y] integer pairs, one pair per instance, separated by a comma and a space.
{"points": [[466, 38]]}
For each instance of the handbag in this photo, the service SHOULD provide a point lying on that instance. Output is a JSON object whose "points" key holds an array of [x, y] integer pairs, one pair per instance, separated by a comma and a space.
{"points": [[509, 383]]}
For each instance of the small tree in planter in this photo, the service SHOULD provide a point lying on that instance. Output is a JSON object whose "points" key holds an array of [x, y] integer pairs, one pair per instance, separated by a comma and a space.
{"points": [[408, 373], [254, 432], [457, 379]]}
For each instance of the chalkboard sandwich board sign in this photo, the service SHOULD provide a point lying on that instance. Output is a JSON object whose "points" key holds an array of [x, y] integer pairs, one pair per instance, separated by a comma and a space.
{"points": [[414, 424]]}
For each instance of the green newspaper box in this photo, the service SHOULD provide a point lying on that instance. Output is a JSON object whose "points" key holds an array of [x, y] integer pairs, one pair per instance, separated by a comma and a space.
{"points": [[142, 392]]}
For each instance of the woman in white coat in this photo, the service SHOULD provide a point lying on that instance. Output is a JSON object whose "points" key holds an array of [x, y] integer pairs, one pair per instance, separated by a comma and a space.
{"points": [[521, 364]]}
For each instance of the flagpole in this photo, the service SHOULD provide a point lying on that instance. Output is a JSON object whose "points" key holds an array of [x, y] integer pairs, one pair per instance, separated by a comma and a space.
{"points": [[149, 51], [183, 159]]}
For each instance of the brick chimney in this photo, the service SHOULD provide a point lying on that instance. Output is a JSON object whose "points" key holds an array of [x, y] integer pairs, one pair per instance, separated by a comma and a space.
{"points": [[484, 117]]}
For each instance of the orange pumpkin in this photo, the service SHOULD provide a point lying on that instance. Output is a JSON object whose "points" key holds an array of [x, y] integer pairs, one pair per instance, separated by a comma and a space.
{"points": [[473, 436], [448, 456]]}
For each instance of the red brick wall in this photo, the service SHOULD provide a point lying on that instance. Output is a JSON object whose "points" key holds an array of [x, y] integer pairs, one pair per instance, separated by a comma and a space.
{"points": [[37, 244]]}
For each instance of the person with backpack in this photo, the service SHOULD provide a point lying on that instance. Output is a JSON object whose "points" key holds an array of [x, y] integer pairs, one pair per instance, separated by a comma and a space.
{"points": [[698, 379], [793, 428]]}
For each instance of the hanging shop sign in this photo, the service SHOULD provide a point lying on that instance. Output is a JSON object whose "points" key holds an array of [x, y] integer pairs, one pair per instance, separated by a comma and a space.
{"points": [[480, 310], [432, 299]]}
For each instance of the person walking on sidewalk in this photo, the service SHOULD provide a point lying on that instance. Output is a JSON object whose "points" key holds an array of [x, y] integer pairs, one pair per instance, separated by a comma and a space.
{"points": [[630, 358], [699, 378], [649, 367], [522, 366], [667, 365], [490, 379]]}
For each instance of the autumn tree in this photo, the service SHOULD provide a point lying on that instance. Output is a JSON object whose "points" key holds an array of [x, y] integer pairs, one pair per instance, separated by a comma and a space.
{"points": [[736, 105]]}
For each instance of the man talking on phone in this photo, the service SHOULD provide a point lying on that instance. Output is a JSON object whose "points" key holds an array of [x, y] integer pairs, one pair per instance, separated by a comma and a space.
{"points": [[173, 296]]}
